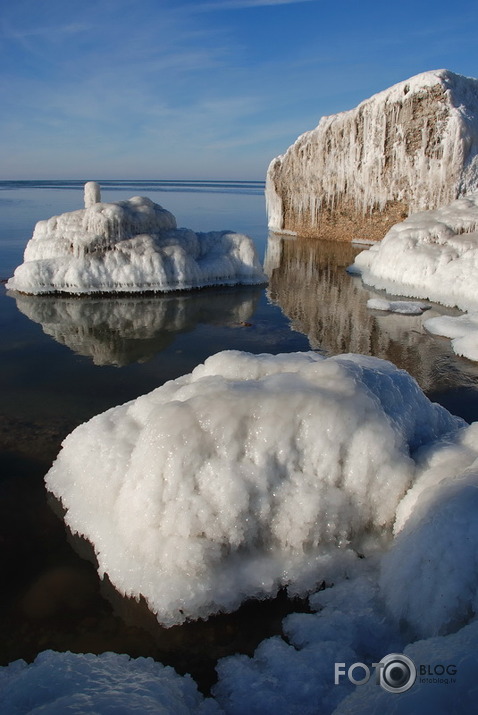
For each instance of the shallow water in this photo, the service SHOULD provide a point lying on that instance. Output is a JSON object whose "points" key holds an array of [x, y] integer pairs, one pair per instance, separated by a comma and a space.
{"points": [[65, 359]]}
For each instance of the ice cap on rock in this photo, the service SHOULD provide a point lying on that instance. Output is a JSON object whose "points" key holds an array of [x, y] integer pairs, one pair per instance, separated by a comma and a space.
{"points": [[92, 193]]}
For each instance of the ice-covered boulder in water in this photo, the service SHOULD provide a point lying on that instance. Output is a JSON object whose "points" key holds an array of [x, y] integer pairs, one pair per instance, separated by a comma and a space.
{"points": [[128, 247], [58, 683], [252, 472], [434, 255], [411, 147]]}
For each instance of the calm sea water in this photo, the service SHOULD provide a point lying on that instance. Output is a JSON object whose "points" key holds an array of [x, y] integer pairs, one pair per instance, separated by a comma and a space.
{"points": [[63, 360]]}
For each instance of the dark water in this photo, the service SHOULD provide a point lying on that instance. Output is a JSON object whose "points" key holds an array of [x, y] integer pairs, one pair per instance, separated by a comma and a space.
{"points": [[63, 360]]}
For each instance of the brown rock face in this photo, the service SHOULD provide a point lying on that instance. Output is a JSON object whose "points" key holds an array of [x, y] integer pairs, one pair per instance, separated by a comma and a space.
{"points": [[409, 148]]}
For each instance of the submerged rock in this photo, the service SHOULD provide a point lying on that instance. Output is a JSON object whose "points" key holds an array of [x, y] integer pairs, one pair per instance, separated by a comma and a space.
{"points": [[411, 147]]}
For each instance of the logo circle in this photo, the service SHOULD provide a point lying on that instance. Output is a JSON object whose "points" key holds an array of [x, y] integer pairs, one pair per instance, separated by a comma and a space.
{"points": [[398, 673]]}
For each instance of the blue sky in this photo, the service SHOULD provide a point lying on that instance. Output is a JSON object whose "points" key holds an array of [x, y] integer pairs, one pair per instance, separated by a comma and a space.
{"points": [[206, 89]]}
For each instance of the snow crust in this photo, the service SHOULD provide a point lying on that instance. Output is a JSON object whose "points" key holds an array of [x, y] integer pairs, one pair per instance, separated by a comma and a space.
{"points": [[434, 255], [462, 329], [57, 683], [406, 307], [130, 246], [416, 143], [431, 254], [250, 473], [431, 695]]}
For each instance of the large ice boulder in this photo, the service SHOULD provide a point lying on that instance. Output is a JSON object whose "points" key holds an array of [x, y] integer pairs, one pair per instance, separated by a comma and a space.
{"points": [[129, 247], [411, 147], [251, 473]]}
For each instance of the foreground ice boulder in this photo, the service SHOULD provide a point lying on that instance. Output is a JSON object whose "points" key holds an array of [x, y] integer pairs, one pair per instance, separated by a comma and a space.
{"points": [[252, 472], [128, 247]]}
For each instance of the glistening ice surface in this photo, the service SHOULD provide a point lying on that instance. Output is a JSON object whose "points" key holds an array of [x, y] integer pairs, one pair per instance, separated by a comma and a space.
{"points": [[251, 473]]}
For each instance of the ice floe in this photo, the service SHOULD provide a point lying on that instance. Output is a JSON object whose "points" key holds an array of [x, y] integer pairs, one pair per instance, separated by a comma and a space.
{"points": [[405, 307], [129, 247]]}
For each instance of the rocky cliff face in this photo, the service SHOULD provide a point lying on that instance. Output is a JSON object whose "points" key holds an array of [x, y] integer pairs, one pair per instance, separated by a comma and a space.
{"points": [[408, 148]]}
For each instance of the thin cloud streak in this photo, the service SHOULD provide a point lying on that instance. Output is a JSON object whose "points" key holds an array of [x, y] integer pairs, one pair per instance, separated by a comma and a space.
{"points": [[243, 4]]}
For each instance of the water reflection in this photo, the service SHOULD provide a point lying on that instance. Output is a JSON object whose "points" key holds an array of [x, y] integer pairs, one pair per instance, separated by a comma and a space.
{"points": [[119, 331], [308, 280]]}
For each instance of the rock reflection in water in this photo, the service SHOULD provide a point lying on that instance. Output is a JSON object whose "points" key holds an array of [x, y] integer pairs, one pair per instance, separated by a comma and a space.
{"points": [[308, 280], [120, 331]]}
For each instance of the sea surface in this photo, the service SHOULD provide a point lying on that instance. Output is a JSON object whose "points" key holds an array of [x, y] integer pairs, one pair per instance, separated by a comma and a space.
{"points": [[63, 360]]}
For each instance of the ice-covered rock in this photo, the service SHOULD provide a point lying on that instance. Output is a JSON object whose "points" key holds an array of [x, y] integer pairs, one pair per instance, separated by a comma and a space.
{"points": [[448, 685], [411, 147], [434, 255], [128, 247], [248, 474], [462, 329], [58, 683], [437, 517]]}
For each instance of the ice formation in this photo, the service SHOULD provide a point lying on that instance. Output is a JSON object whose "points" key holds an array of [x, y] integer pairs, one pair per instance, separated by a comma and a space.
{"points": [[58, 683], [424, 587], [257, 470], [462, 329], [248, 474], [130, 246], [411, 147], [434, 255], [406, 307], [92, 193]]}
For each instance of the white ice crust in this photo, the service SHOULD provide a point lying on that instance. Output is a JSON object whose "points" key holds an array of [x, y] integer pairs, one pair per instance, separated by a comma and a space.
{"points": [[245, 475], [58, 683], [434, 255], [462, 329], [127, 247]]}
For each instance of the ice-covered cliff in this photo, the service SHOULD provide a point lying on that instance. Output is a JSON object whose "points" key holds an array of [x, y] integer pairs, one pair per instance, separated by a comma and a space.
{"points": [[411, 147], [131, 246]]}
